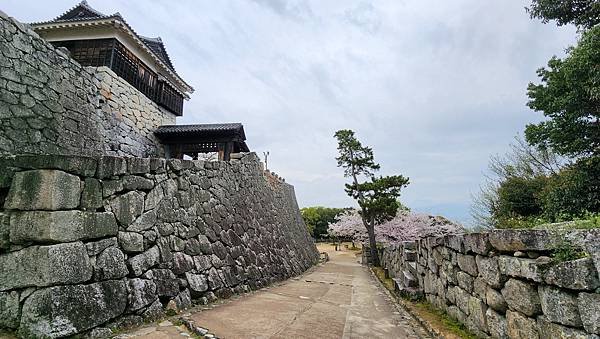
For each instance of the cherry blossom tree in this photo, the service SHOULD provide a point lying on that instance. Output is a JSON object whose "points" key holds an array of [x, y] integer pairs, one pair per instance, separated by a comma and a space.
{"points": [[406, 226]]}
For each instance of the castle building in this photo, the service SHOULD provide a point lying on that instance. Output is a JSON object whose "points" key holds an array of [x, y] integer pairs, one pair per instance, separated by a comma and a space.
{"points": [[95, 39]]}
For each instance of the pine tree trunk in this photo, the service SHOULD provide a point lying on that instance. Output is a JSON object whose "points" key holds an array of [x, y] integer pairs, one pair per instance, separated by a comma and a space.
{"points": [[372, 243]]}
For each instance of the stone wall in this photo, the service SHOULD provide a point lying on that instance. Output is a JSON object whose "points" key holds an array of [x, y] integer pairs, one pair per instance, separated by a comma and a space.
{"points": [[505, 284], [107, 241], [49, 104]]}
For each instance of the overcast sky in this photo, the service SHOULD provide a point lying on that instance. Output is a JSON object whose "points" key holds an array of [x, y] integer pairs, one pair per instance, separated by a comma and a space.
{"points": [[435, 87]]}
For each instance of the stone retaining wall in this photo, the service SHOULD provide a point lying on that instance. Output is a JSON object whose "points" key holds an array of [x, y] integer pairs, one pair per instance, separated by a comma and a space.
{"points": [[49, 104], [109, 241], [505, 284]]}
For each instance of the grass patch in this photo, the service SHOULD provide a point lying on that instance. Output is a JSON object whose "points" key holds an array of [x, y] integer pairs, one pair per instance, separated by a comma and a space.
{"points": [[443, 324], [427, 311], [388, 283]]}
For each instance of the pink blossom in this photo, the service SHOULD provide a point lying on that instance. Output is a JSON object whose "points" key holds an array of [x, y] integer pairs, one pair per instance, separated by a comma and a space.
{"points": [[406, 226]]}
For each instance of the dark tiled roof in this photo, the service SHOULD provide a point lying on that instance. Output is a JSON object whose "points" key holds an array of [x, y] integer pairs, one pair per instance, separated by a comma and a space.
{"points": [[201, 128], [83, 11], [158, 48]]}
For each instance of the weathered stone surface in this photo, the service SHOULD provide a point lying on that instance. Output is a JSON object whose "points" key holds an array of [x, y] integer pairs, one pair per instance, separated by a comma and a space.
{"points": [[91, 196], [520, 326], [142, 262], [166, 282], [495, 300], [45, 265], [489, 271], [589, 311], [197, 282], [141, 292], [465, 281], [462, 299], [60, 226], [522, 240], [66, 310], [551, 330], [559, 306], [145, 222], [520, 268], [577, 274], [127, 207], [467, 263], [4, 231], [202, 262], [153, 312], [109, 166], [131, 242], [110, 264], [43, 190], [214, 280], [497, 324], [182, 263], [95, 247], [183, 300], [477, 310], [134, 182], [523, 297], [10, 312], [477, 243], [79, 165]]}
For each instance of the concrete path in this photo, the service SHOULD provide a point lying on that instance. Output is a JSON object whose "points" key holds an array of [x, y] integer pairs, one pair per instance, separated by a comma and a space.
{"points": [[338, 299]]}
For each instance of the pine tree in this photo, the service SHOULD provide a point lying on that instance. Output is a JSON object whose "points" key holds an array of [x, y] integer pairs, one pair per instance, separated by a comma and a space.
{"points": [[378, 196]]}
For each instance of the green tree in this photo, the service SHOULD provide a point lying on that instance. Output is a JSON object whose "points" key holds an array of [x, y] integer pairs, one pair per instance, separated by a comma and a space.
{"points": [[582, 13], [569, 96], [524, 163], [573, 192], [317, 218], [519, 197], [377, 197]]}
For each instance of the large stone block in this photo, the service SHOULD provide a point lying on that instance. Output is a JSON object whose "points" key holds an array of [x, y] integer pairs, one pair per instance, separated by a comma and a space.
{"points": [[465, 281], [489, 271], [589, 311], [110, 264], [495, 300], [4, 231], [127, 207], [166, 282], [477, 243], [520, 268], [141, 292], [467, 263], [548, 329], [45, 265], [43, 190], [477, 310], [144, 261], [522, 240], [80, 165], [131, 242], [520, 326], [109, 166], [577, 274], [197, 283], [60, 226], [559, 306], [10, 312], [497, 324], [523, 297], [91, 195], [66, 310]]}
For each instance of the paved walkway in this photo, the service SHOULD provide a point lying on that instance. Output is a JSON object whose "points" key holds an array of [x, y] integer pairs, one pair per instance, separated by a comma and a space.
{"points": [[338, 299]]}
